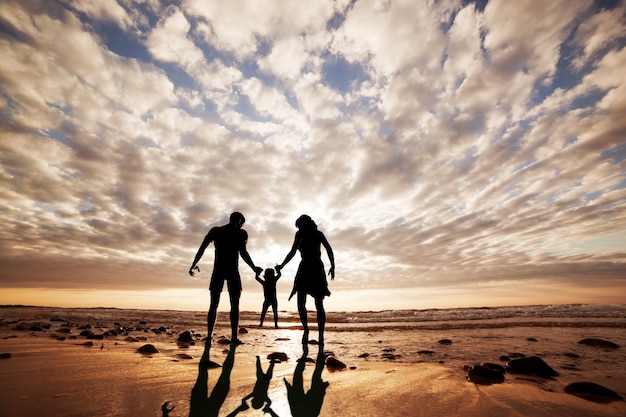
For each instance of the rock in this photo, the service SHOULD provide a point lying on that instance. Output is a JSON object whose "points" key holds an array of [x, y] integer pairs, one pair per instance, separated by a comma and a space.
{"points": [[147, 349], [425, 352], [64, 330], [531, 339], [307, 360], [334, 364], [35, 328], [364, 355], [223, 341], [186, 338], [86, 333], [390, 356], [516, 355], [131, 339], [593, 392], [484, 375], [282, 339], [599, 343], [88, 344], [96, 336], [571, 355], [183, 356], [532, 365], [445, 342], [243, 330], [388, 350], [278, 356], [110, 333], [494, 366], [5, 356], [504, 358]]}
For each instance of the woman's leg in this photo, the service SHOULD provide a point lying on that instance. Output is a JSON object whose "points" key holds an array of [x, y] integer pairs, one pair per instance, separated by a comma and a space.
{"points": [[303, 317], [321, 317]]}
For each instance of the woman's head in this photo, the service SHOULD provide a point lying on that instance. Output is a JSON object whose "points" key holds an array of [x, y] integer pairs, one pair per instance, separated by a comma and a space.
{"points": [[305, 222]]}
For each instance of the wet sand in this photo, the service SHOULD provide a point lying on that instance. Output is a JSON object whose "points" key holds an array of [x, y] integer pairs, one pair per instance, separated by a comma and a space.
{"points": [[46, 376]]}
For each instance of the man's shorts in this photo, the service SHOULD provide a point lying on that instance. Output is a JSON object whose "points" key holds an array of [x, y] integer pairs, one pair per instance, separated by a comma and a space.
{"points": [[233, 282]]}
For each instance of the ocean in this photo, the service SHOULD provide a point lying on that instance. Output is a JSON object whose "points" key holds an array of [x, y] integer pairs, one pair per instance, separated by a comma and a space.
{"points": [[454, 337]]}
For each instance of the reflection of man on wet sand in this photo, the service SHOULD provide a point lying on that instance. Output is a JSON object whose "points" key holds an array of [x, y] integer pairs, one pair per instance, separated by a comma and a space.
{"points": [[201, 404], [230, 242], [307, 404]]}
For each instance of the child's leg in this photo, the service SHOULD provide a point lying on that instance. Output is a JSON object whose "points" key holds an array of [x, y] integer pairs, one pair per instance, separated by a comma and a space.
{"points": [[275, 309], [265, 306]]}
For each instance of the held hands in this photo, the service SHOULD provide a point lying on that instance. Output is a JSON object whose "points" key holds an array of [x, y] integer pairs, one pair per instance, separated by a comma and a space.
{"points": [[331, 272], [278, 267], [192, 269], [257, 270]]}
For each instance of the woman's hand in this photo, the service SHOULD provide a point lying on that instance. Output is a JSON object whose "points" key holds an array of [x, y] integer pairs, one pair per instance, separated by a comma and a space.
{"points": [[331, 272]]}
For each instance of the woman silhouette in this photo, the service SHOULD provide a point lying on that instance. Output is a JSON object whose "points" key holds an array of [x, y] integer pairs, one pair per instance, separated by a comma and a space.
{"points": [[311, 277]]}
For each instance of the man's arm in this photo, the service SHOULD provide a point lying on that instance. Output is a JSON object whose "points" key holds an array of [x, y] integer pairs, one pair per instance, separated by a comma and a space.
{"points": [[205, 243], [243, 252]]}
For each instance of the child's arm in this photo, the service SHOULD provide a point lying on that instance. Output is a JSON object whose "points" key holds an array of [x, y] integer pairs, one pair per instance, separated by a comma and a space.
{"points": [[258, 278], [278, 273]]}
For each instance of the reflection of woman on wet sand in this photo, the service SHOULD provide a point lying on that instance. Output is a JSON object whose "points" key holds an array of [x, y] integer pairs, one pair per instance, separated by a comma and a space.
{"points": [[311, 277], [307, 404]]}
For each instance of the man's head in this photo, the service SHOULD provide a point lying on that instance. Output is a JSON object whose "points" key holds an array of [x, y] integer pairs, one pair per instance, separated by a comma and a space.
{"points": [[237, 219]]}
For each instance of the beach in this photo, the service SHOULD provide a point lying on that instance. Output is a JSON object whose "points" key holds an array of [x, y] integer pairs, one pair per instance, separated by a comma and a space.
{"points": [[397, 363]]}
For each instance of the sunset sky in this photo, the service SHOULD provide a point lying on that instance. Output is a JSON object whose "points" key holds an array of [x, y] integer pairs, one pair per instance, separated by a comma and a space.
{"points": [[454, 153]]}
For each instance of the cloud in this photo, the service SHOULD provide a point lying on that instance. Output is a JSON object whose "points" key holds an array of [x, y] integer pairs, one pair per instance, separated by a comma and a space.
{"points": [[443, 145]]}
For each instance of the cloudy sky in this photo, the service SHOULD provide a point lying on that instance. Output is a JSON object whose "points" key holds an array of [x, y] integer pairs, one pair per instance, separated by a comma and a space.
{"points": [[454, 153]]}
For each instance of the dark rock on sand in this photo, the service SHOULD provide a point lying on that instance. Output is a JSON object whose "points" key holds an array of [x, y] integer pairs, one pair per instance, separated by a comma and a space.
{"points": [[593, 392], [183, 356], [484, 375], [494, 366], [131, 339], [445, 342], [334, 364], [516, 355], [571, 355], [185, 338], [599, 343], [64, 330], [531, 339], [147, 349], [504, 358], [86, 333], [35, 328], [532, 365], [243, 330], [5, 355], [278, 357], [307, 360], [425, 352], [364, 355], [88, 344]]}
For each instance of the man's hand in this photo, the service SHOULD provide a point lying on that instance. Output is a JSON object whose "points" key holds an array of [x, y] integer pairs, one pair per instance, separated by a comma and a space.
{"points": [[192, 269], [278, 267], [258, 270]]}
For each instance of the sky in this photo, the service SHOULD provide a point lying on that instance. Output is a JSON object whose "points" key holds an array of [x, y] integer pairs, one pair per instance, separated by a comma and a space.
{"points": [[454, 153]]}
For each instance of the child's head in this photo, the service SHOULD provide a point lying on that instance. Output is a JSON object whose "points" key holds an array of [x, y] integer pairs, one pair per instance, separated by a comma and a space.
{"points": [[269, 272]]}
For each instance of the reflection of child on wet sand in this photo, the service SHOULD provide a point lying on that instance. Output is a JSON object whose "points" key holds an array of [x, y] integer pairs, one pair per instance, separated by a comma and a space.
{"points": [[269, 291], [259, 392]]}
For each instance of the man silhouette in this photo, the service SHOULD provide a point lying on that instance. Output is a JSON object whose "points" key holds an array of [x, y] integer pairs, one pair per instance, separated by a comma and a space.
{"points": [[230, 243]]}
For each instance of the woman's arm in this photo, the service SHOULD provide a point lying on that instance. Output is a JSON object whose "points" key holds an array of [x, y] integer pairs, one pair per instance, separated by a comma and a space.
{"points": [[292, 252], [331, 256]]}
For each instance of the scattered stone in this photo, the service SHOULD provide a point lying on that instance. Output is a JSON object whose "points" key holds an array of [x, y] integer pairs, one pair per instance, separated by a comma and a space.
{"points": [[485, 375], [494, 366], [425, 352], [599, 343], [61, 338], [390, 356], [282, 339], [278, 356], [131, 339], [243, 330], [505, 358], [64, 330], [388, 350], [531, 339], [185, 338], [148, 349], [593, 392], [5, 356], [352, 368], [313, 342], [96, 337], [334, 364], [445, 342], [88, 344], [532, 365], [571, 355], [223, 341], [35, 328], [86, 333], [364, 355], [183, 356], [307, 360]]}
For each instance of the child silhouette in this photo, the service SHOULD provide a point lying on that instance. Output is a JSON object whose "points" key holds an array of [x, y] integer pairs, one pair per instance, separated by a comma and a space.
{"points": [[269, 291]]}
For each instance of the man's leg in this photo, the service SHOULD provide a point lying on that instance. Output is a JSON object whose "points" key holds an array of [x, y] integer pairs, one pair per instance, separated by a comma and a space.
{"points": [[234, 314], [321, 317], [212, 314]]}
